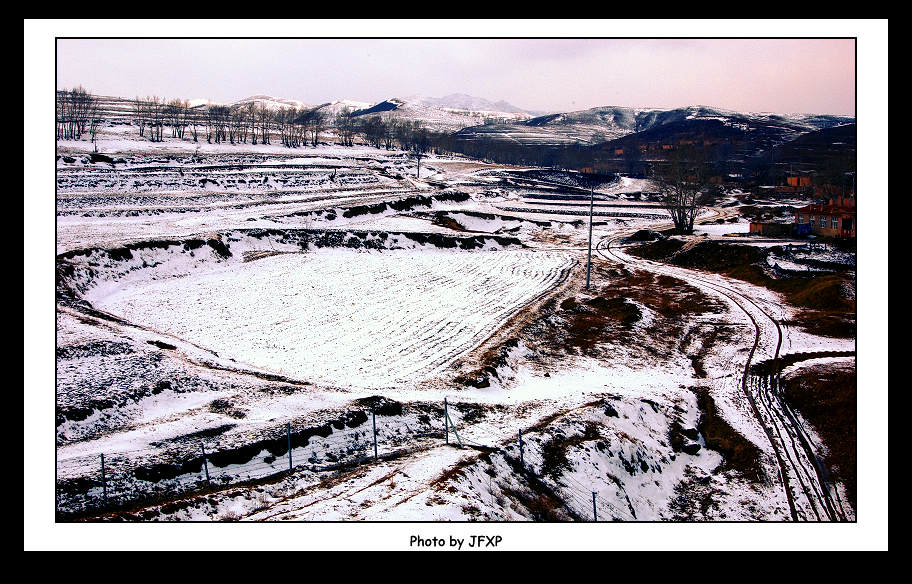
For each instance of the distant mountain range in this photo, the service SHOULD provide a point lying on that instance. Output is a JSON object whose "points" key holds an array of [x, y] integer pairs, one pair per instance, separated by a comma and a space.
{"points": [[603, 124], [472, 118]]}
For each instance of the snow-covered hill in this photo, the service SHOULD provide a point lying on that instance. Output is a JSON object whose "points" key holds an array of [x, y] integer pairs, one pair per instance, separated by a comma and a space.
{"points": [[602, 124], [271, 102], [461, 101]]}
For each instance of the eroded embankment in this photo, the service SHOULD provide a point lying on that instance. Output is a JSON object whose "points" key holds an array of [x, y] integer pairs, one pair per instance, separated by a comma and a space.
{"points": [[138, 483], [464, 220], [398, 206]]}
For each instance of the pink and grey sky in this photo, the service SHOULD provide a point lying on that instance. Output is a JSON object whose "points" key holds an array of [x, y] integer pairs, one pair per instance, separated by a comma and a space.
{"points": [[759, 75]]}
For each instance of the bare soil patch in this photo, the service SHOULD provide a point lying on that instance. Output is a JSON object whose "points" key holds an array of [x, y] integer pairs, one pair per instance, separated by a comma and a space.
{"points": [[826, 308], [826, 395]]}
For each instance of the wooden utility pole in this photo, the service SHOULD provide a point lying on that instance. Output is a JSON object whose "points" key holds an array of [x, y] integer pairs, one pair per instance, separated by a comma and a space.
{"points": [[594, 514], [104, 484], [374, 421], [589, 256], [205, 463], [288, 433], [449, 423], [521, 462]]}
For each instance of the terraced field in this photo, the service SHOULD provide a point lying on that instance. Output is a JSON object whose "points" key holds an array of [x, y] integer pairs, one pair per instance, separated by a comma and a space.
{"points": [[246, 311], [341, 316]]}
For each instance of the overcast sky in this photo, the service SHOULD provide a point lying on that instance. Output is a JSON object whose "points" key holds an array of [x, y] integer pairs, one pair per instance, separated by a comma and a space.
{"points": [[771, 75]]}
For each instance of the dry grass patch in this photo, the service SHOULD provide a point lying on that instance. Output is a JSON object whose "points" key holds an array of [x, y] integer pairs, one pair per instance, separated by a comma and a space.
{"points": [[826, 395]]}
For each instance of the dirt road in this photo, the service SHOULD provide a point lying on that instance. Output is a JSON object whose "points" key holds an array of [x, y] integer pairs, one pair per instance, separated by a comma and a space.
{"points": [[803, 478]]}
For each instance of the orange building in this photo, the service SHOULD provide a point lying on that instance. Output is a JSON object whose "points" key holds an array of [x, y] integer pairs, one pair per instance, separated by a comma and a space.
{"points": [[835, 219], [798, 181]]}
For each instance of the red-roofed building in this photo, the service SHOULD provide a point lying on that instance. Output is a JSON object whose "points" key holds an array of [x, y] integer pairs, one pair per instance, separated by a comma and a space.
{"points": [[835, 219]]}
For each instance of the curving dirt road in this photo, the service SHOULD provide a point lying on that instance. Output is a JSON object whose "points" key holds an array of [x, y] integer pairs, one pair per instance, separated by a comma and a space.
{"points": [[804, 481]]}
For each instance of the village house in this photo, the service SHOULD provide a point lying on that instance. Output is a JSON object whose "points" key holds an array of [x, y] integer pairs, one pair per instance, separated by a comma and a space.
{"points": [[835, 219], [772, 228], [799, 181]]}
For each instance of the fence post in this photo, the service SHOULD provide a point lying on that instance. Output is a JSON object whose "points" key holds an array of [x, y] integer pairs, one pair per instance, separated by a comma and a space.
{"points": [[205, 462], [104, 484], [446, 421], [594, 515], [288, 433], [521, 462], [374, 422]]}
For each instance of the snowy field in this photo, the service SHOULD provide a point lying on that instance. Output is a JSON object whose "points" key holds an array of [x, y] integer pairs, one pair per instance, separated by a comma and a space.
{"points": [[211, 294], [356, 319], [722, 229]]}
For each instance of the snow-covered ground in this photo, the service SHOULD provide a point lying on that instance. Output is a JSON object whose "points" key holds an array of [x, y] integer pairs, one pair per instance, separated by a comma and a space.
{"points": [[722, 229], [357, 319], [211, 294]]}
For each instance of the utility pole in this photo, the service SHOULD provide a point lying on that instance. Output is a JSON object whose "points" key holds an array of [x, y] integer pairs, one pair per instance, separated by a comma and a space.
{"points": [[449, 423], [205, 463], [288, 433], [374, 420], [589, 257], [104, 484], [521, 462], [594, 515]]}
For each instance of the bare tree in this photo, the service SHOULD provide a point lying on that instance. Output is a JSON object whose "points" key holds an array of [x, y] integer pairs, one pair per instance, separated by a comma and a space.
{"points": [[282, 118], [265, 118], [345, 126], [82, 102], [683, 187], [250, 121], [156, 117], [139, 115], [218, 120], [176, 114], [95, 123], [420, 143], [317, 121], [374, 130], [299, 121], [172, 115], [73, 112], [194, 120], [403, 133], [390, 131], [236, 124]]}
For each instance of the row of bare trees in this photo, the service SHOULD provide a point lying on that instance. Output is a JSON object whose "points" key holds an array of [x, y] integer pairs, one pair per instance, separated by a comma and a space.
{"points": [[238, 124], [77, 114], [380, 133], [257, 123]]}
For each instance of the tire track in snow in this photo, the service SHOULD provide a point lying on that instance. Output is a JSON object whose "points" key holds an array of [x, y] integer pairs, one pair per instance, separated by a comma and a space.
{"points": [[786, 436]]}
